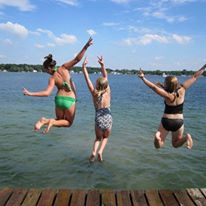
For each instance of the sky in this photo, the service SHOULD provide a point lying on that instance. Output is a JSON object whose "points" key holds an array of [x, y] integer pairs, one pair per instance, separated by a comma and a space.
{"points": [[129, 34]]}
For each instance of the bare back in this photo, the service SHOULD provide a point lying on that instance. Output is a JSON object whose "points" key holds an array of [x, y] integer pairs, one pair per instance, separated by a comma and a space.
{"points": [[62, 78], [102, 101]]}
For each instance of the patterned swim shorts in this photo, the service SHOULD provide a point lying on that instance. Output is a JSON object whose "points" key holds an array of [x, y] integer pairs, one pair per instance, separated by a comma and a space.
{"points": [[103, 118]]}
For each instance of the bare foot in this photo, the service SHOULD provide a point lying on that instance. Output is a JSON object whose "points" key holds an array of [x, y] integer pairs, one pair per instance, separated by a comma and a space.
{"points": [[189, 143], [92, 158], [40, 123], [50, 124], [100, 159]]}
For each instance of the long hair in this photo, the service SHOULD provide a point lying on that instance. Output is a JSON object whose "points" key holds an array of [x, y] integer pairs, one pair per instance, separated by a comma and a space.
{"points": [[49, 62], [102, 85], [170, 84]]}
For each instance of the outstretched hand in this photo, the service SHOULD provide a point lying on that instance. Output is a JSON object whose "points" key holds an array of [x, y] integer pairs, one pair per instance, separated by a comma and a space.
{"points": [[85, 62], [26, 92], [203, 67], [140, 74], [90, 42], [100, 60]]}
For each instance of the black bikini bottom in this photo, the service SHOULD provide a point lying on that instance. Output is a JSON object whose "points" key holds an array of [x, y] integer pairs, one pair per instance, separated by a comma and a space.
{"points": [[172, 124]]}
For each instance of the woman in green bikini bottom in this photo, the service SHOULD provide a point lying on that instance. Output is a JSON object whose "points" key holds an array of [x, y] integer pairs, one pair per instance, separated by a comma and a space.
{"points": [[66, 95]]}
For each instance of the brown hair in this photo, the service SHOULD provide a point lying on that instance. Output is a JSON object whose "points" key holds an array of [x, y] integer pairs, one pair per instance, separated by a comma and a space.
{"points": [[170, 84], [49, 62]]}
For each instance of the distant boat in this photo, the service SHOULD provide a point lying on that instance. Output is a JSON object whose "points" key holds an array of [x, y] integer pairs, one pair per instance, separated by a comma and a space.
{"points": [[164, 75], [34, 70]]}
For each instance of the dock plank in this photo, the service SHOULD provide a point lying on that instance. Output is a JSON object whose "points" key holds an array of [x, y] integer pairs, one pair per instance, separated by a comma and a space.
{"points": [[78, 198], [103, 197], [108, 198], [93, 198], [203, 190], [123, 198], [153, 198], [183, 198], [63, 197], [5, 193], [138, 198], [168, 198], [32, 197], [197, 196], [17, 197], [47, 197]]}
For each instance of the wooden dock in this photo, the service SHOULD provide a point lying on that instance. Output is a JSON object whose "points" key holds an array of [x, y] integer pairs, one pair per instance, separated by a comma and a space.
{"points": [[67, 197]]}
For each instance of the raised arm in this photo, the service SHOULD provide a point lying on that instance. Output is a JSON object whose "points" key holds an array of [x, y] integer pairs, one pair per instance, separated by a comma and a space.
{"points": [[103, 70], [155, 87], [44, 93], [70, 64], [195, 76], [86, 76]]}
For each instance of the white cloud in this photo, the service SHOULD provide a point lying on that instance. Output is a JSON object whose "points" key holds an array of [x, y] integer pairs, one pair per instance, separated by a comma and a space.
{"points": [[49, 33], [7, 41], [65, 39], [91, 32], [14, 28], [181, 39], [69, 2], [150, 38], [175, 2], [23, 5], [170, 19], [51, 45], [40, 46], [139, 29], [110, 24], [162, 15], [159, 9], [182, 18], [120, 1], [58, 40], [181, 1]]}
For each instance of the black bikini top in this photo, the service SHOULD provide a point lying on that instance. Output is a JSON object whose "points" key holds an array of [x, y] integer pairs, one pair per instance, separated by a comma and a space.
{"points": [[174, 109], [177, 109]]}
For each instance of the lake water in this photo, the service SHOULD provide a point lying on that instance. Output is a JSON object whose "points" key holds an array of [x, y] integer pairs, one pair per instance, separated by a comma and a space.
{"points": [[60, 158]]}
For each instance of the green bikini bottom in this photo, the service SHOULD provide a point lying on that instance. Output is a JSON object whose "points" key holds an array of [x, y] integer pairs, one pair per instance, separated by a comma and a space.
{"points": [[64, 102]]}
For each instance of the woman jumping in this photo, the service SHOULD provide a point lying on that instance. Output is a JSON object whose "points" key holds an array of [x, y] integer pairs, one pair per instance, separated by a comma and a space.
{"points": [[103, 119], [172, 120], [65, 98]]}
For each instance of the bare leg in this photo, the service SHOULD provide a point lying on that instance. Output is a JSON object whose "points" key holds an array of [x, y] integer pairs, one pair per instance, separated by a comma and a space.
{"points": [[40, 123], [178, 140], [97, 141], [94, 150], [56, 123], [103, 144], [189, 141], [64, 118], [160, 136]]}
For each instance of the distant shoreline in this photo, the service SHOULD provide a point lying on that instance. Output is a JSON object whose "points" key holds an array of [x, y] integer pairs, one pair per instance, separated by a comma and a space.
{"points": [[38, 68]]}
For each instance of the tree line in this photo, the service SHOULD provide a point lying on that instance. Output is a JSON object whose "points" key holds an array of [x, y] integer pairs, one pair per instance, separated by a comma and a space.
{"points": [[76, 69]]}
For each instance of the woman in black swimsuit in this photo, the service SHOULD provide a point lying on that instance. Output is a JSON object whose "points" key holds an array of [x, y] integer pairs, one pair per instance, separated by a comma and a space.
{"points": [[172, 119]]}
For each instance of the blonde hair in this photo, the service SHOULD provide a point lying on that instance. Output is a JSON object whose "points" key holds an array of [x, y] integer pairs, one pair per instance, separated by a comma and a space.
{"points": [[170, 84], [102, 85]]}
